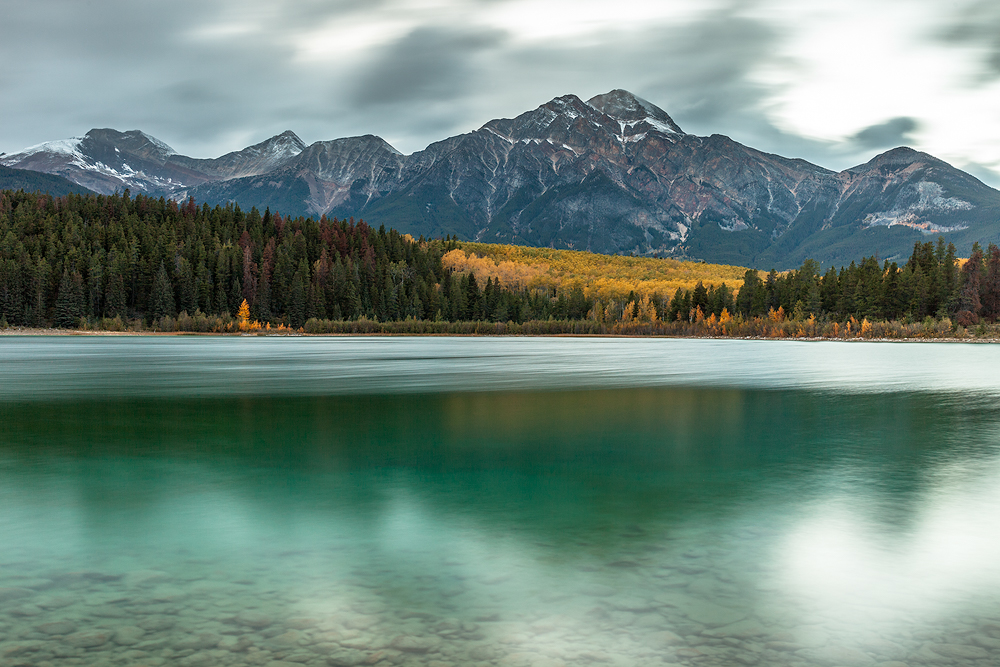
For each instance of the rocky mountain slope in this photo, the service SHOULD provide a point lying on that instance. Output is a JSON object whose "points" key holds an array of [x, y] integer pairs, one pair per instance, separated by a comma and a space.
{"points": [[614, 174]]}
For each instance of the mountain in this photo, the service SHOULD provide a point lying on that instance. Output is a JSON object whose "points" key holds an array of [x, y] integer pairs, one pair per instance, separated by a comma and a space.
{"points": [[34, 181], [613, 174], [107, 161]]}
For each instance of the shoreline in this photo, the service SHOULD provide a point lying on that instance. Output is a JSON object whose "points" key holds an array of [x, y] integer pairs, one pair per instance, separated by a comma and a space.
{"points": [[18, 331]]}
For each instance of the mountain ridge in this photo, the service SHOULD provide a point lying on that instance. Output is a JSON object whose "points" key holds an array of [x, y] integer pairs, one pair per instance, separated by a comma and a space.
{"points": [[613, 174]]}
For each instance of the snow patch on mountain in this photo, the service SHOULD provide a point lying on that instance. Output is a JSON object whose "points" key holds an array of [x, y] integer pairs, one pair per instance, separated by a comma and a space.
{"points": [[922, 197], [61, 146]]}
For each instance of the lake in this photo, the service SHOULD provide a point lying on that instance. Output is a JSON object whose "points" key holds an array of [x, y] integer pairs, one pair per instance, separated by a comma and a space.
{"points": [[498, 502]]}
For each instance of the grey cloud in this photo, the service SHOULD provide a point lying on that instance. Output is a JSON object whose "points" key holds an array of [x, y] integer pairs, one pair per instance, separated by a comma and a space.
{"points": [[427, 64], [293, 16], [702, 68], [67, 66], [142, 68], [977, 25], [116, 29], [136, 65], [891, 133]]}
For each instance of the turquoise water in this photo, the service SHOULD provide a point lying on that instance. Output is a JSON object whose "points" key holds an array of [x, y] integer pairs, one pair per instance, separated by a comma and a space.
{"points": [[439, 501]]}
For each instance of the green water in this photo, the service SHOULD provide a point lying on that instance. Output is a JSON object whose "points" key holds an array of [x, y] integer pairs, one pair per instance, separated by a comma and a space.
{"points": [[498, 502]]}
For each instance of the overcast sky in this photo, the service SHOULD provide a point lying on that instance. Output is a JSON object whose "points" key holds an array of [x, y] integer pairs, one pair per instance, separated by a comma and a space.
{"points": [[832, 82]]}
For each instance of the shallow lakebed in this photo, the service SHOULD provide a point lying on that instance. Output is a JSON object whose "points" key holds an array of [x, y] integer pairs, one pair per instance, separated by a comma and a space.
{"points": [[502, 502]]}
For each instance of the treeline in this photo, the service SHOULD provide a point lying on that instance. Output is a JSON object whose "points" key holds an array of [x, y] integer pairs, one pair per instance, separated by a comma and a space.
{"points": [[118, 262], [931, 284], [122, 262]]}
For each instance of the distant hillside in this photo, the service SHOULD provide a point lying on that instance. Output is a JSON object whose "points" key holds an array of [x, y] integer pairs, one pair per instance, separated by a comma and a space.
{"points": [[36, 181], [599, 276]]}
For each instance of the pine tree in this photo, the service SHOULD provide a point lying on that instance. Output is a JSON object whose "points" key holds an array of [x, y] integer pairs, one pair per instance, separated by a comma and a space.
{"points": [[300, 290], [114, 293], [70, 300], [991, 285], [161, 303], [969, 303]]}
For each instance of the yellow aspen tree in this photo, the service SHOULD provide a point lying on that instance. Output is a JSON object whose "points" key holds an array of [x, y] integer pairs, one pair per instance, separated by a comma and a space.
{"points": [[609, 312], [627, 313], [647, 310], [243, 316]]}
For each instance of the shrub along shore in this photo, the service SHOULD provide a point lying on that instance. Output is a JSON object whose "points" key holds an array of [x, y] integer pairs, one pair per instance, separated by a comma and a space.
{"points": [[736, 328]]}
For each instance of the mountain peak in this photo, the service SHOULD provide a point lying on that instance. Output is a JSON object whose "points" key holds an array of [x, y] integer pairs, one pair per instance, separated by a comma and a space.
{"points": [[631, 109], [899, 157], [133, 141], [284, 145], [288, 138]]}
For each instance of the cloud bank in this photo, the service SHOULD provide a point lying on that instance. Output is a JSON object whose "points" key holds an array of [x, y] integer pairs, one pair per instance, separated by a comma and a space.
{"points": [[834, 85]]}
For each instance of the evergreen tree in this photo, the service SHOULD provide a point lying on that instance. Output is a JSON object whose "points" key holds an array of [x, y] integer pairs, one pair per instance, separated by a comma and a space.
{"points": [[300, 290], [991, 285], [161, 303], [969, 302], [114, 293], [699, 298], [70, 300]]}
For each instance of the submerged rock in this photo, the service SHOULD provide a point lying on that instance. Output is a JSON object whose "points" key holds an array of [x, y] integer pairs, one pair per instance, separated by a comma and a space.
{"points": [[56, 628], [411, 644], [128, 635], [199, 642], [15, 593], [87, 639], [706, 613], [254, 619], [156, 623], [961, 651], [837, 656], [347, 658]]}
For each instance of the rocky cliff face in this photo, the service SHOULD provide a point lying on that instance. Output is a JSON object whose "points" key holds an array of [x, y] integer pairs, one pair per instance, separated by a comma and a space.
{"points": [[614, 174]]}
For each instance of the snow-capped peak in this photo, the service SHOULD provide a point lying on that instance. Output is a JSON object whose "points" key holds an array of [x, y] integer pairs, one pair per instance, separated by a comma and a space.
{"points": [[69, 146], [286, 144], [630, 111]]}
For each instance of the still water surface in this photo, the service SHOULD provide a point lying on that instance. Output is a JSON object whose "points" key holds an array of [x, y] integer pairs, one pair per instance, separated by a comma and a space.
{"points": [[516, 501]]}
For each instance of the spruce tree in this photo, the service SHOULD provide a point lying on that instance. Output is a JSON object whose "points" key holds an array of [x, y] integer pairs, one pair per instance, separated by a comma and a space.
{"points": [[114, 299], [69, 302], [991, 284], [300, 291], [969, 300], [161, 302]]}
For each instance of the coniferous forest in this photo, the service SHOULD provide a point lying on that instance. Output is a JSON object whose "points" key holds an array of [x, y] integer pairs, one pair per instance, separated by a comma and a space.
{"points": [[137, 263]]}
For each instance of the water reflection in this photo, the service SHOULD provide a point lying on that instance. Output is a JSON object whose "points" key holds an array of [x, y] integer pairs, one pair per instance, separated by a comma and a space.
{"points": [[37, 368], [630, 526]]}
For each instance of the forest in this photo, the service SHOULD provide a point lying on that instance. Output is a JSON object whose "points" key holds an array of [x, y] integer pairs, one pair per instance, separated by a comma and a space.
{"points": [[96, 262]]}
